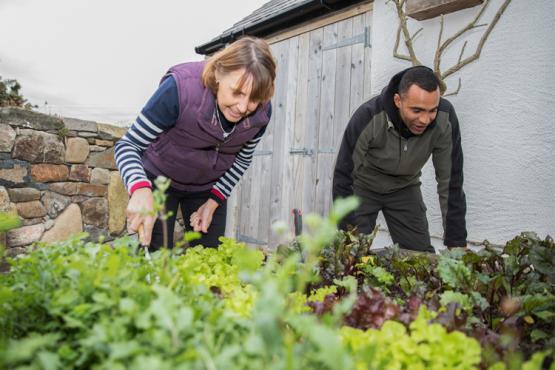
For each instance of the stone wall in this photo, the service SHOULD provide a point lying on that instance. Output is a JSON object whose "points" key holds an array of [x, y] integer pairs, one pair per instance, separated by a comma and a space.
{"points": [[60, 177]]}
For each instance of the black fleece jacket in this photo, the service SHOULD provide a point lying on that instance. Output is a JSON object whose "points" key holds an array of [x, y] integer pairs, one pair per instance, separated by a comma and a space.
{"points": [[378, 153]]}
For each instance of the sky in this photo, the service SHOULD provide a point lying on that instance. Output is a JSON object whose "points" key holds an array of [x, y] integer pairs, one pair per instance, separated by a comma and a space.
{"points": [[101, 60]]}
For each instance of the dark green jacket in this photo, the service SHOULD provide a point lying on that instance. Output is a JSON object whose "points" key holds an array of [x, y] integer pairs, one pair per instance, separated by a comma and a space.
{"points": [[379, 153]]}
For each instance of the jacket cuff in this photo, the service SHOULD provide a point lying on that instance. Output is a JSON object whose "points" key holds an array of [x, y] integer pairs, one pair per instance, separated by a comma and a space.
{"points": [[139, 185], [217, 196]]}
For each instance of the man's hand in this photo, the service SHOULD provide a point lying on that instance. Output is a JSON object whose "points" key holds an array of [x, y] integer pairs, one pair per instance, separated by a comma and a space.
{"points": [[138, 209], [202, 218]]}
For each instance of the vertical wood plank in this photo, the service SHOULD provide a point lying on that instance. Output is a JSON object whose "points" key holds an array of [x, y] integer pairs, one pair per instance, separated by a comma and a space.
{"points": [[246, 211], [271, 165], [327, 109], [285, 101], [368, 60], [341, 109], [357, 66], [281, 207], [300, 124], [312, 118], [342, 83], [233, 209]]}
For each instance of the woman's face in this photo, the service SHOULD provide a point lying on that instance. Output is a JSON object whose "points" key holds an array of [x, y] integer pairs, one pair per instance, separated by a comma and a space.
{"points": [[233, 100]]}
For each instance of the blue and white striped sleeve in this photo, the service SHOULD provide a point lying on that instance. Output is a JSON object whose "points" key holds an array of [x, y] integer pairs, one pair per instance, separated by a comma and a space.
{"points": [[159, 114]]}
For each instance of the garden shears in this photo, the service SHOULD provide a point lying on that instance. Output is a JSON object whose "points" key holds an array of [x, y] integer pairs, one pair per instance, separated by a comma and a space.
{"points": [[147, 253]]}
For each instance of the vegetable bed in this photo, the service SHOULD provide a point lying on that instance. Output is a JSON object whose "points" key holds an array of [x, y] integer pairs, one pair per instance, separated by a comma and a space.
{"points": [[324, 301]]}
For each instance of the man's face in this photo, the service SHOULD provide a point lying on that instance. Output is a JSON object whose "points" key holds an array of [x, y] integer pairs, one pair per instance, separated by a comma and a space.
{"points": [[417, 108]]}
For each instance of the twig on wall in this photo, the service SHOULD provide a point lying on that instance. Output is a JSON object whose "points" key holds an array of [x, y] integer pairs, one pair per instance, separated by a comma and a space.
{"points": [[443, 45]]}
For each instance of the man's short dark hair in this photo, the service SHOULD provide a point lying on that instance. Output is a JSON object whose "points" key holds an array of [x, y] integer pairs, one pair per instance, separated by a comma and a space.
{"points": [[420, 76]]}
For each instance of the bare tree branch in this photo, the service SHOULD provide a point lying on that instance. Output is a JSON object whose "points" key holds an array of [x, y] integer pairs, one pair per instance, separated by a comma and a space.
{"points": [[437, 55], [443, 45], [481, 43], [456, 91], [399, 4], [413, 37], [462, 52], [396, 53], [468, 27]]}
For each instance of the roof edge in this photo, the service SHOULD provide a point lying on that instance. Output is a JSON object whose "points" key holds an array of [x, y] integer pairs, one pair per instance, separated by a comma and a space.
{"points": [[290, 18]]}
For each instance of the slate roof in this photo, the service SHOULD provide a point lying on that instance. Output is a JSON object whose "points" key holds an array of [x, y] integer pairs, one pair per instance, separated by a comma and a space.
{"points": [[272, 17], [269, 10]]}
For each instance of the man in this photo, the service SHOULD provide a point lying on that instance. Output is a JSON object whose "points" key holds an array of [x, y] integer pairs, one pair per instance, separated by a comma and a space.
{"points": [[386, 143]]}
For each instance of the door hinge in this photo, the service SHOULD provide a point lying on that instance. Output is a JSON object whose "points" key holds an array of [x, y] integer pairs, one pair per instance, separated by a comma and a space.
{"points": [[309, 152], [249, 240], [301, 151], [362, 38], [262, 152]]}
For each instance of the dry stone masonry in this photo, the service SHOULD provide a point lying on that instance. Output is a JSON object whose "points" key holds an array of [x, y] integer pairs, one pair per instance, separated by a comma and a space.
{"points": [[60, 177]]}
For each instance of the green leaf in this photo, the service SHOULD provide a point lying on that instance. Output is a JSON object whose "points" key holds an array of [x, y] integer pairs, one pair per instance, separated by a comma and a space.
{"points": [[319, 294], [24, 349], [248, 260], [531, 303], [543, 260], [191, 236], [498, 366], [128, 305], [537, 334], [453, 272], [65, 352], [330, 349], [382, 275], [479, 301], [536, 362], [184, 318], [455, 297], [49, 360], [546, 316], [484, 278], [120, 350], [254, 344]]}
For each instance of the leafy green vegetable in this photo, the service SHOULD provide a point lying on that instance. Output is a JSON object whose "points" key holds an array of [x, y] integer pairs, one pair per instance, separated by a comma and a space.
{"points": [[82, 305]]}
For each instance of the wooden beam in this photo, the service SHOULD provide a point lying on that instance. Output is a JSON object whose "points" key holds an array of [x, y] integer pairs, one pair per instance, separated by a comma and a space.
{"points": [[426, 9], [320, 22]]}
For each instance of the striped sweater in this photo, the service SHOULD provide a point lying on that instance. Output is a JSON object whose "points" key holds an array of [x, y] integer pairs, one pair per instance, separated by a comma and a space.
{"points": [[160, 114]]}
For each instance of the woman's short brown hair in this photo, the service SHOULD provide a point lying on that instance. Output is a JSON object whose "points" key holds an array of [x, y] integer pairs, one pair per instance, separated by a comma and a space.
{"points": [[252, 54]]}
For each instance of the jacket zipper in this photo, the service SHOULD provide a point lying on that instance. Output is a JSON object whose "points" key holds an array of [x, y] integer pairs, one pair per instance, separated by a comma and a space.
{"points": [[217, 147], [403, 147], [400, 154], [226, 135]]}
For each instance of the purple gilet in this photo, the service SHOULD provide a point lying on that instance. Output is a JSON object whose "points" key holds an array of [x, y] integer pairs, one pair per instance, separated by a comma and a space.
{"points": [[194, 153]]}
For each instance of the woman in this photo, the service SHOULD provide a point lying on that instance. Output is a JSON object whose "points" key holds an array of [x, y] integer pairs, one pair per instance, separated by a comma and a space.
{"points": [[199, 129]]}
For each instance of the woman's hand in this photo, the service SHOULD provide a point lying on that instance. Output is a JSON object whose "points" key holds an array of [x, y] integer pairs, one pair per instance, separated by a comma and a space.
{"points": [[138, 213], [202, 218]]}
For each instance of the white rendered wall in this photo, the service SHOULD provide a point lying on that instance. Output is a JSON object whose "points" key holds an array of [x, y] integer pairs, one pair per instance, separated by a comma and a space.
{"points": [[506, 110]]}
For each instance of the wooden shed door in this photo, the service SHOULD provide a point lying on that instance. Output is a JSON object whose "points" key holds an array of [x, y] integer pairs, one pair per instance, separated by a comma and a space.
{"points": [[323, 77]]}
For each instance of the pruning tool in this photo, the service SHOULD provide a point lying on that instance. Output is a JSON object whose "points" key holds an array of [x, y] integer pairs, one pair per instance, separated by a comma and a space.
{"points": [[147, 253]]}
